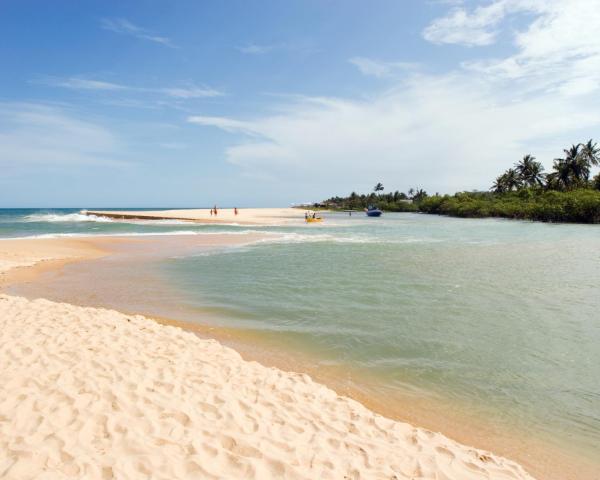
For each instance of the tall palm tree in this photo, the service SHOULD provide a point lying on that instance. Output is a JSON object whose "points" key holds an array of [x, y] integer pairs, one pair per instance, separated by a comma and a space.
{"points": [[378, 187], [571, 171], [512, 180], [561, 177], [591, 152], [419, 195], [499, 185], [530, 171]]}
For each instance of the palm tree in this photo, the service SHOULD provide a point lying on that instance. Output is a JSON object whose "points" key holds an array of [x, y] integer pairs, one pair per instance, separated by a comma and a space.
{"points": [[590, 152], [512, 180], [573, 170], [378, 187], [530, 171], [419, 195], [499, 185], [561, 178]]}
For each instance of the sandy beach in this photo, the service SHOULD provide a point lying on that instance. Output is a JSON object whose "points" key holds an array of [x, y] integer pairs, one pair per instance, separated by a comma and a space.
{"points": [[94, 393], [245, 216]]}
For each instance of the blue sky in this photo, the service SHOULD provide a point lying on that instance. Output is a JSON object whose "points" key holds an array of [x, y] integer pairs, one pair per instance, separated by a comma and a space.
{"points": [[260, 103]]}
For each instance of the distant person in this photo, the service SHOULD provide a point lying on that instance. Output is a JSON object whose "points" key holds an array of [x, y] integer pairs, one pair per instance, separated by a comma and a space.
{"points": [[235, 211], [215, 209], [305, 215], [211, 212]]}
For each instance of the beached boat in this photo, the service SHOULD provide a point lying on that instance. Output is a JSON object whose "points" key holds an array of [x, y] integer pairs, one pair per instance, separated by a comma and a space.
{"points": [[373, 212]]}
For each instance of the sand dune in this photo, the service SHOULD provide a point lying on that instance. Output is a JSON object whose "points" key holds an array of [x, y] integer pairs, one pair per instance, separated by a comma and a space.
{"points": [[93, 393]]}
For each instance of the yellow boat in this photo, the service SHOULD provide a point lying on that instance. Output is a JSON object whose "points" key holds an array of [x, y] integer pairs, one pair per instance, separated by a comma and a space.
{"points": [[315, 219]]}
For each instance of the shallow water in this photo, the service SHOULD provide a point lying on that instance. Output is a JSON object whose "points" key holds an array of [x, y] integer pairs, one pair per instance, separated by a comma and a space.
{"points": [[497, 317]]}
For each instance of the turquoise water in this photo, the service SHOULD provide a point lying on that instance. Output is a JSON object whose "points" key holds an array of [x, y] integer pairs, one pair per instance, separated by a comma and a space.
{"points": [[501, 317]]}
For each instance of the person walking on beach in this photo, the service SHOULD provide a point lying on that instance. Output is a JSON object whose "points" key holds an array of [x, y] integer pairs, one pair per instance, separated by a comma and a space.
{"points": [[211, 212], [215, 209], [235, 212]]}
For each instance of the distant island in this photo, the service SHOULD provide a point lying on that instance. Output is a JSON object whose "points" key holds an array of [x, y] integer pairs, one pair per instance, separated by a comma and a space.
{"points": [[567, 194]]}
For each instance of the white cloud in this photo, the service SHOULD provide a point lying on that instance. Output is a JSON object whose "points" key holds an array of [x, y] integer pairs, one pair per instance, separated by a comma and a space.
{"points": [[49, 136], [378, 68], [188, 91], [121, 25], [254, 49], [558, 51], [226, 124], [450, 132], [78, 83], [191, 92], [467, 29], [453, 131]]}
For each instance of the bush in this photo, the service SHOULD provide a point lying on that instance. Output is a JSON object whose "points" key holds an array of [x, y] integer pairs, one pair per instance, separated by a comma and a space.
{"points": [[581, 206]]}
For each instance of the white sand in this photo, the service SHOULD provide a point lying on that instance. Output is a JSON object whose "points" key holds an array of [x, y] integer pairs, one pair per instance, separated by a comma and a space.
{"points": [[93, 393], [249, 216]]}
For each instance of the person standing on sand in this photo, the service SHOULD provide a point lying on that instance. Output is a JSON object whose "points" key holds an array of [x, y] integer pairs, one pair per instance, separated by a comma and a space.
{"points": [[235, 211], [215, 209], [211, 212]]}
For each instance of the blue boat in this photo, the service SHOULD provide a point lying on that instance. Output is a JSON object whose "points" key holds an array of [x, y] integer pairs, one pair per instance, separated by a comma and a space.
{"points": [[373, 212]]}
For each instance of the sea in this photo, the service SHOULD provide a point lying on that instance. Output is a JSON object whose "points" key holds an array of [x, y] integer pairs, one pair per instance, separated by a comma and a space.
{"points": [[498, 318]]}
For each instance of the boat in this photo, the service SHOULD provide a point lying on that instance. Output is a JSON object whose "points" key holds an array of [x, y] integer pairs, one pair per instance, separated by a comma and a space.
{"points": [[311, 217], [373, 211]]}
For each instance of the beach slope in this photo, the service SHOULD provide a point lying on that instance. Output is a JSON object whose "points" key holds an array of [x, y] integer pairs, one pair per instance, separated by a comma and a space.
{"points": [[93, 393]]}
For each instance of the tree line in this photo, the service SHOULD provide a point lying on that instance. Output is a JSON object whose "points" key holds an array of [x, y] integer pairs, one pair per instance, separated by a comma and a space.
{"points": [[568, 193], [570, 172]]}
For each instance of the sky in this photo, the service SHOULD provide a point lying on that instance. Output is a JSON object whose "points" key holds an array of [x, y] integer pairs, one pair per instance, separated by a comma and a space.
{"points": [[267, 103]]}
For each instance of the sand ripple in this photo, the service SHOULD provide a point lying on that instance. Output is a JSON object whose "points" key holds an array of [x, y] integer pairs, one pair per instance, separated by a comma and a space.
{"points": [[93, 393]]}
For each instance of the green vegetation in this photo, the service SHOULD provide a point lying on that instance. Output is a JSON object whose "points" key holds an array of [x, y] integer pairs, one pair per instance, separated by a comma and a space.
{"points": [[567, 194], [581, 206]]}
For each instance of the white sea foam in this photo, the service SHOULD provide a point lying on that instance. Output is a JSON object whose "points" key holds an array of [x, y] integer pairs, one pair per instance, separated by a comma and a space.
{"points": [[80, 217], [64, 217]]}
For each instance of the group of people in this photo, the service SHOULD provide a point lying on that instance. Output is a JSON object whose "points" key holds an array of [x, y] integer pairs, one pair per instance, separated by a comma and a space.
{"points": [[213, 211]]}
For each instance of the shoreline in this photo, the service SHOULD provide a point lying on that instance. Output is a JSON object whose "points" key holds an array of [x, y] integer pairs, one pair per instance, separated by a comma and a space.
{"points": [[330, 377], [142, 398]]}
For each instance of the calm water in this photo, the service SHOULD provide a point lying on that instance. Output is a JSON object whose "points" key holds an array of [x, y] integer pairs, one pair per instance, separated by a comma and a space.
{"points": [[502, 317]]}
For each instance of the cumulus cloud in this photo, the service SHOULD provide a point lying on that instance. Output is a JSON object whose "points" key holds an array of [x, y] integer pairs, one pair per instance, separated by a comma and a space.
{"points": [[467, 29], [559, 50]]}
